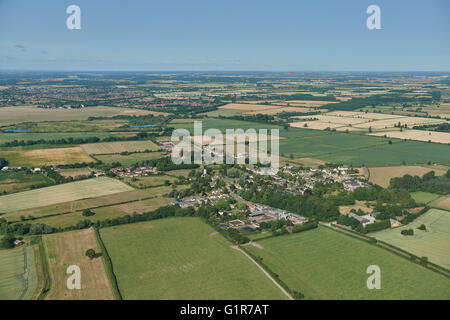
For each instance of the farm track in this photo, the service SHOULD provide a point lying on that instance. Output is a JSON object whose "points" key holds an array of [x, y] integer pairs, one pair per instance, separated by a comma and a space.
{"points": [[265, 272]]}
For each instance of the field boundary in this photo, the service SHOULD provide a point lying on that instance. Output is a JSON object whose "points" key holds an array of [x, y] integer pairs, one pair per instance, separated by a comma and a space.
{"points": [[107, 262], [46, 270]]}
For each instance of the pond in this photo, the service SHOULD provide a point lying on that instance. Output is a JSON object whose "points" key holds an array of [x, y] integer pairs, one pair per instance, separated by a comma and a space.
{"points": [[143, 126], [15, 130]]}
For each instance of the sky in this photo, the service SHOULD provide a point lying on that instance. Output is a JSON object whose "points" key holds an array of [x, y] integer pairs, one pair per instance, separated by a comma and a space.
{"points": [[259, 35]]}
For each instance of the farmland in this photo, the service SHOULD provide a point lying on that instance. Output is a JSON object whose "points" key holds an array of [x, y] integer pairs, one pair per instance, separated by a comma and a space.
{"points": [[130, 159], [66, 249], [20, 181], [61, 193], [45, 157], [335, 268], [118, 147], [18, 114], [181, 258], [433, 243], [441, 203], [422, 197], [18, 278], [382, 175]]}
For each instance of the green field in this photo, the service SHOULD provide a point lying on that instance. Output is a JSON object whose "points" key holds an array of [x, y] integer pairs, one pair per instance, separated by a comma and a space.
{"points": [[424, 197], [8, 137], [118, 147], [441, 203], [61, 193], [339, 147], [181, 258], [14, 181], [326, 264], [434, 243], [17, 280], [127, 160]]}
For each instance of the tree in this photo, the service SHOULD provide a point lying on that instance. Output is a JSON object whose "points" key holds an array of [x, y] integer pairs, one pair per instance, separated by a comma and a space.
{"points": [[7, 242], [88, 213], [90, 253]]}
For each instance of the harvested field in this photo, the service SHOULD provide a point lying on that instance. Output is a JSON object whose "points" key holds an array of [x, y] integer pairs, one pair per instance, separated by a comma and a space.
{"points": [[382, 175], [441, 203], [45, 157], [358, 205], [69, 248], [75, 172], [129, 159], [61, 193], [418, 135], [118, 147]]}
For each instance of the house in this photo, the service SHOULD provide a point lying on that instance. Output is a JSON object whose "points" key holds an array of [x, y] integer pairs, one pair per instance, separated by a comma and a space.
{"points": [[361, 219], [18, 242]]}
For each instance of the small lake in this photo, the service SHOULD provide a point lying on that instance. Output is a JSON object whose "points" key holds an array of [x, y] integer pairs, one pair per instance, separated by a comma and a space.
{"points": [[15, 130], [144, 126]]}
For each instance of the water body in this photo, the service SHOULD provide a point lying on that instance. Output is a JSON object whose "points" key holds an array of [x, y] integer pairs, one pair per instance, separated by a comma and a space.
{"points": [[144, 126], [15, 130]]}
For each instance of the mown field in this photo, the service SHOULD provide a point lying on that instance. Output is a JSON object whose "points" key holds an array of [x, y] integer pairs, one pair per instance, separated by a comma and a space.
{"points": [[433, 243], [441, 203], [182, 258], [340, 147], [69, 248], [46, 157], [61, 193], [118, 147], [326, 264], [18, 277]]}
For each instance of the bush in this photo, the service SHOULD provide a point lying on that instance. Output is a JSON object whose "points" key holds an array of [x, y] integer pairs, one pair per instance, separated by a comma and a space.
{"points": [[422, 227], [88, 213], [407, 232], [90, 253]]}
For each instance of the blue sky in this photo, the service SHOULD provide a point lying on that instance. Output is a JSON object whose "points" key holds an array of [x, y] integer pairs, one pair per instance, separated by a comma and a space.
{"points": [[225, 35]]}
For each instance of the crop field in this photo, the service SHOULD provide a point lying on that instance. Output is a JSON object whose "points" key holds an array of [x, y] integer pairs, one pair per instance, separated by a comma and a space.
{"points": [[118, 147], [340, 147], [148, 181], [61, 193], [14, 181], [18, 277], [433, 243], [418, 135], [78, 205], [382, 175], [423, 197], [130, 159], [18, 114], [75, 172], [70, 126], [441, 203], [45, 157], [69, 248], [325, 264], [182, 258]]}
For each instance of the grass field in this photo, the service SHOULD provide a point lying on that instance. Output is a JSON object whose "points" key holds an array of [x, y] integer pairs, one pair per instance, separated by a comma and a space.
{"points": [[441, 203], [383, 175], [118, 147], [326, 264], [424, 197], [181, 258], [61, 193], [130, 159], [45, 157], [148, 181], [434, 243], [14, 181], [18, 277], [8, 137], [69, 248]]}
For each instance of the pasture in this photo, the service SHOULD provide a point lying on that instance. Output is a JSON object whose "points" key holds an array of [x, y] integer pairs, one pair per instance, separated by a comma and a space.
{"points": [[422, 197], [118, 147], [127, 160], [433, 243], [14, 181], [69, 248], [383, 175], [35, 136], [326, 264], [61, 193], [182, 258], [46, 157], [18, 277]]}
